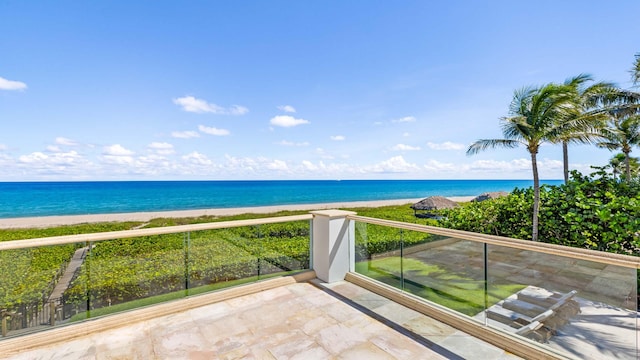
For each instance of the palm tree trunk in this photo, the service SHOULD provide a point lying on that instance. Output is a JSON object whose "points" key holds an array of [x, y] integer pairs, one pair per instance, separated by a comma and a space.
{"points": [[565, 159], [627, 166], [536, 196]]}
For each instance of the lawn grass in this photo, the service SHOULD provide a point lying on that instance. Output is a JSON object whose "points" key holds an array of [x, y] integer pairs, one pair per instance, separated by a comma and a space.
{"points": [[456, 291]]}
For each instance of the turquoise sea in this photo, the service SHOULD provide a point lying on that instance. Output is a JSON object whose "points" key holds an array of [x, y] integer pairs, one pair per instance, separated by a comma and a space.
{"points": [[26, 199]]}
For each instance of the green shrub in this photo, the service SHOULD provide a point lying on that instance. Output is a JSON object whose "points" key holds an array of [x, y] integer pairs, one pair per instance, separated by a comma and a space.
{"points": [[593, 212]]}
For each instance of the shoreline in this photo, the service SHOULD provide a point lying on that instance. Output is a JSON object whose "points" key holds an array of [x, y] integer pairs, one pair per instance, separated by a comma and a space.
{"points": [[50, 221]]}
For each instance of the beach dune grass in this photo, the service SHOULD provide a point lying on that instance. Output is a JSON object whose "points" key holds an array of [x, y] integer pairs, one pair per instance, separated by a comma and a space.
{"points": [[124, 270]]}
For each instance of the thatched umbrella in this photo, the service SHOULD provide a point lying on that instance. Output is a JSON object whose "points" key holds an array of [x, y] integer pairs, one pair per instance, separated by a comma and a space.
{"points": [[490, 195], [433, 203]]}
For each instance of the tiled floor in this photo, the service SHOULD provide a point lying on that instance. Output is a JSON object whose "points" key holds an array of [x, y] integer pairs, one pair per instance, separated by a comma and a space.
{"points": [[299, 321]]}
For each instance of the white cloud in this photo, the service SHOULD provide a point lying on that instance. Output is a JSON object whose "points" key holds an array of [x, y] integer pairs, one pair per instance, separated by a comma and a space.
{"points": [[515, 165], [244, 164], [3, 147], [185, 134], [447, 145], [192, 104], [213, 131], [117, 154], [161, 148], [403, 147], [116, 150], [33, 157], [197, 158], [287, 108], [64, 141], [53, 148], [308, 165], [437, 166], [237, 110], [404, 119], [11, 84], [5, 163], [277, 165], [406, 134], [323, 154], [287, 121], [55, 163], [396, 164], [548, 164], [332, 170], [291, 143], [338, 138]]}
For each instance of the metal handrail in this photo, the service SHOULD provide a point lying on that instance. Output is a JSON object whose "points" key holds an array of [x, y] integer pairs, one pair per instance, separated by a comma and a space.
{"points": [[552, 249], [111, 235]]}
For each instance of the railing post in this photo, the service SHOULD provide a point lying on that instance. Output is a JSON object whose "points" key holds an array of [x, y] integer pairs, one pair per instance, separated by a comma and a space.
{"points": [[52, 313], [333, 244], [4, 325]]}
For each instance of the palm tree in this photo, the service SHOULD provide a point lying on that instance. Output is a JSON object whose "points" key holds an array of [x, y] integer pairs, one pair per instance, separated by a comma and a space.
{"points": [[535, 116], [622, 132], [635, 71], [617, 165], [586, 101]]}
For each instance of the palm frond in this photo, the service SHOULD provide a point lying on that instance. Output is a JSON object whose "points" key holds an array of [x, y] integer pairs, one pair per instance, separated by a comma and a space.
{"points": [[608, 145], [515, 127], [520, 104], [484, 144], [578, 80], [619, 98], [555, 102]]}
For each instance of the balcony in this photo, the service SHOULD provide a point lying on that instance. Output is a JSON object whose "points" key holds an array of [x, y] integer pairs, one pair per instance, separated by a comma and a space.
{"points": [[326, 284]]}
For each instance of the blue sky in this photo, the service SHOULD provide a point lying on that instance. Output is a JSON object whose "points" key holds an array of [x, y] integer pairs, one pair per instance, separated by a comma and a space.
{"points": [[123, 90]]}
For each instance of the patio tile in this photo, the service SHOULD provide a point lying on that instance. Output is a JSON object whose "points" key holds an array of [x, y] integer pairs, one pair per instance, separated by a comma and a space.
{"points": [[298, 321]]}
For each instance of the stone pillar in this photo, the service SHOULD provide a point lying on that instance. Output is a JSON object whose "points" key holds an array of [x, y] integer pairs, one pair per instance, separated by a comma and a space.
{"points": [[333, 244]]}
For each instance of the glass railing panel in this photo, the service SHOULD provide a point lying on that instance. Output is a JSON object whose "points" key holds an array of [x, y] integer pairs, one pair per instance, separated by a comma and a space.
{"points": [[223, 257], [285, 248], [582, 308], [378, 253], [447, 271], [55, 285], [227, 257], [124, 274], [32, 287]]}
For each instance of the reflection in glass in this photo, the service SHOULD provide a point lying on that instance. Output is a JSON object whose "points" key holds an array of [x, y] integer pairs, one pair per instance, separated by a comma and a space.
{"points": [[378, 253], [583, 308]]}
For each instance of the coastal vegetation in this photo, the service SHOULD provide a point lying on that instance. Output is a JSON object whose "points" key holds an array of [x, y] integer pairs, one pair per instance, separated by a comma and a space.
{"points": [[593, 211], [569, 112], [535, 118], [29, 274], [622, 132], [122, 271]]}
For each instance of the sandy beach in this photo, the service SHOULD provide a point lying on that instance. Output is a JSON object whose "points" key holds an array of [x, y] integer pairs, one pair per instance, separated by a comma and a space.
{"points": [[48, 221]]}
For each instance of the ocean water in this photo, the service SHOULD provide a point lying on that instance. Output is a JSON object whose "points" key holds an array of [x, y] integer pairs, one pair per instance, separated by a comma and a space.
{"points": [[26, 199]]}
